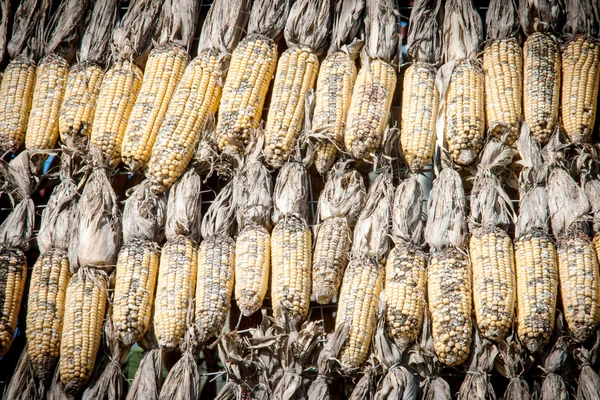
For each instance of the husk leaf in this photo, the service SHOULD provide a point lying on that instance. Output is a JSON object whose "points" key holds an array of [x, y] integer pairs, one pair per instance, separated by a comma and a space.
{"points": [[407, 218], [309, 24], [535, 170], [184, 208], [592, 191], [343, 195], [59, 217], [144, 214], [57, 390], [588, 387], [583, 18], [382, 30], [366, 386], [554, 386], [132, 38], [540, 15], [446, 212], [24, 385], [533, 211], [178, 22], [319, 390], [29, 22], [268, 18], [347, 24], [291, 192], [183, 381], [567, 201], [511, 362], [502, 19], [371, 233], [147, 383], [97, 36], [477, 385], [231, 355], [220, 216], [65, 28], [224, 26], [5, 14], [424, 42], [255, 195], [16, 231], [19, 177], [462, 31]]}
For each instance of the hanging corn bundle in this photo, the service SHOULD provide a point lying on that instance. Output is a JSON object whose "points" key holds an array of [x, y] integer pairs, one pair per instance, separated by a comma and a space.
{"points": [[50, 276], [335, 83], [253, 243], [232, 355], [15, 233], [376, 81], [462, 82], [291, 244], [420, 96], [85, 77], [137, 263], [164, 69], [512, 361], [16, 89], [503, 71], [535, 252], [198, 94], [541, 66], [183, 381], [178, 266], [131, 41], [146, 384], [490, 247], [340, 203], [61, 42], [306, 34], [579, 280], [97, 238], [449, 271], [251, 69], [588, 385], [554, 386], [405, 270], [363, 280], [580, 69]]}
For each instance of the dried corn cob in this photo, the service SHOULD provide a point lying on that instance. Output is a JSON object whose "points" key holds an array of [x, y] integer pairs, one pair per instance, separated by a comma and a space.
{"points": [[335, 83], [291, 244], [45, 311], [419, 93], [340, 203], [197, 95], [376, 81], [449, 271], [503, 71], [13, 276], [251, 69], [363, 279], [85, 305], [405, 270], [296, 74]]}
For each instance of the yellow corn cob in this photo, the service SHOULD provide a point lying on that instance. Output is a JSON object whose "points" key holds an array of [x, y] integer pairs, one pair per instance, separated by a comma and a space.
{"points": [[296, 74], [419, 114], [216, 267], [252, 265], [196, 97], [357, 306], [537, 283], [579, 284], [79, 103], [371, 101], [465, 115], [250, 72], [163, 71], [175, 290], [503, 71], [494, 284], [405, 278], [330, 258], [581, 77], [332, 102], [13, 275], [85, 305], [50, 84], [291, 252], [119, 89], [449, 293], [541, 85], [137, 269], [45, 311], [16, 94]]}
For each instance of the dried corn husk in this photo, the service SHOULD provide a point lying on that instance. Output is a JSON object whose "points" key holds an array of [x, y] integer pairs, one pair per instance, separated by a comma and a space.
{"points": [[28, 27], [554, 386], [255, 195], [477, 385], [567, 201], [462, 31], [24, 385], [57, 390], [144, 214], [178, 22], [132, 38], [219, 218], [223, 27], [318, 389], [231, 355], [184, 207], [366, 386], [5, 11], [183, 381], [268, 18], [583, 17], [96, 39], [592, 191], [446, 212], [343, 195], [309, 24], [588, 387], [502, 20], [511, 362], [291, 192], [407, 219], [424, 42], [382, 31], [347, 25], [146, 384], [65, 27], [540, 15]]}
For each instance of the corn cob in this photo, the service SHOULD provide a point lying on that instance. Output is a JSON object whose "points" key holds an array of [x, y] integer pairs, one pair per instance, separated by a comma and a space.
{"points": [[340, 203], [296, 74], [13, 276], [16, 94], [85, 305], [163, 71], [45, 311]]}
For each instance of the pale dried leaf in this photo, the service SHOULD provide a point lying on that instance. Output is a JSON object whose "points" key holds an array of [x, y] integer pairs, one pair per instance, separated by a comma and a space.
{"points": [[343, 195], [309, 24], [24, 385], [57, 390], [462, 31], [65, 28], [255, 195], [16, 231], [567, 201], [144, 214], [184, 207], [407, 217], [132, 38], [224, 26], [382, 29], [183, 381], [540, 15], [583, 18], [533, 211], [592, 191], [477, 385], [291, 192], [5, 14], [178, 22], [97, 36], [59, 217], [347, 24], [220, 216], [424, 42], [268, 17], [502, 19], [365, 388], [147, 382], [29, 22]]}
